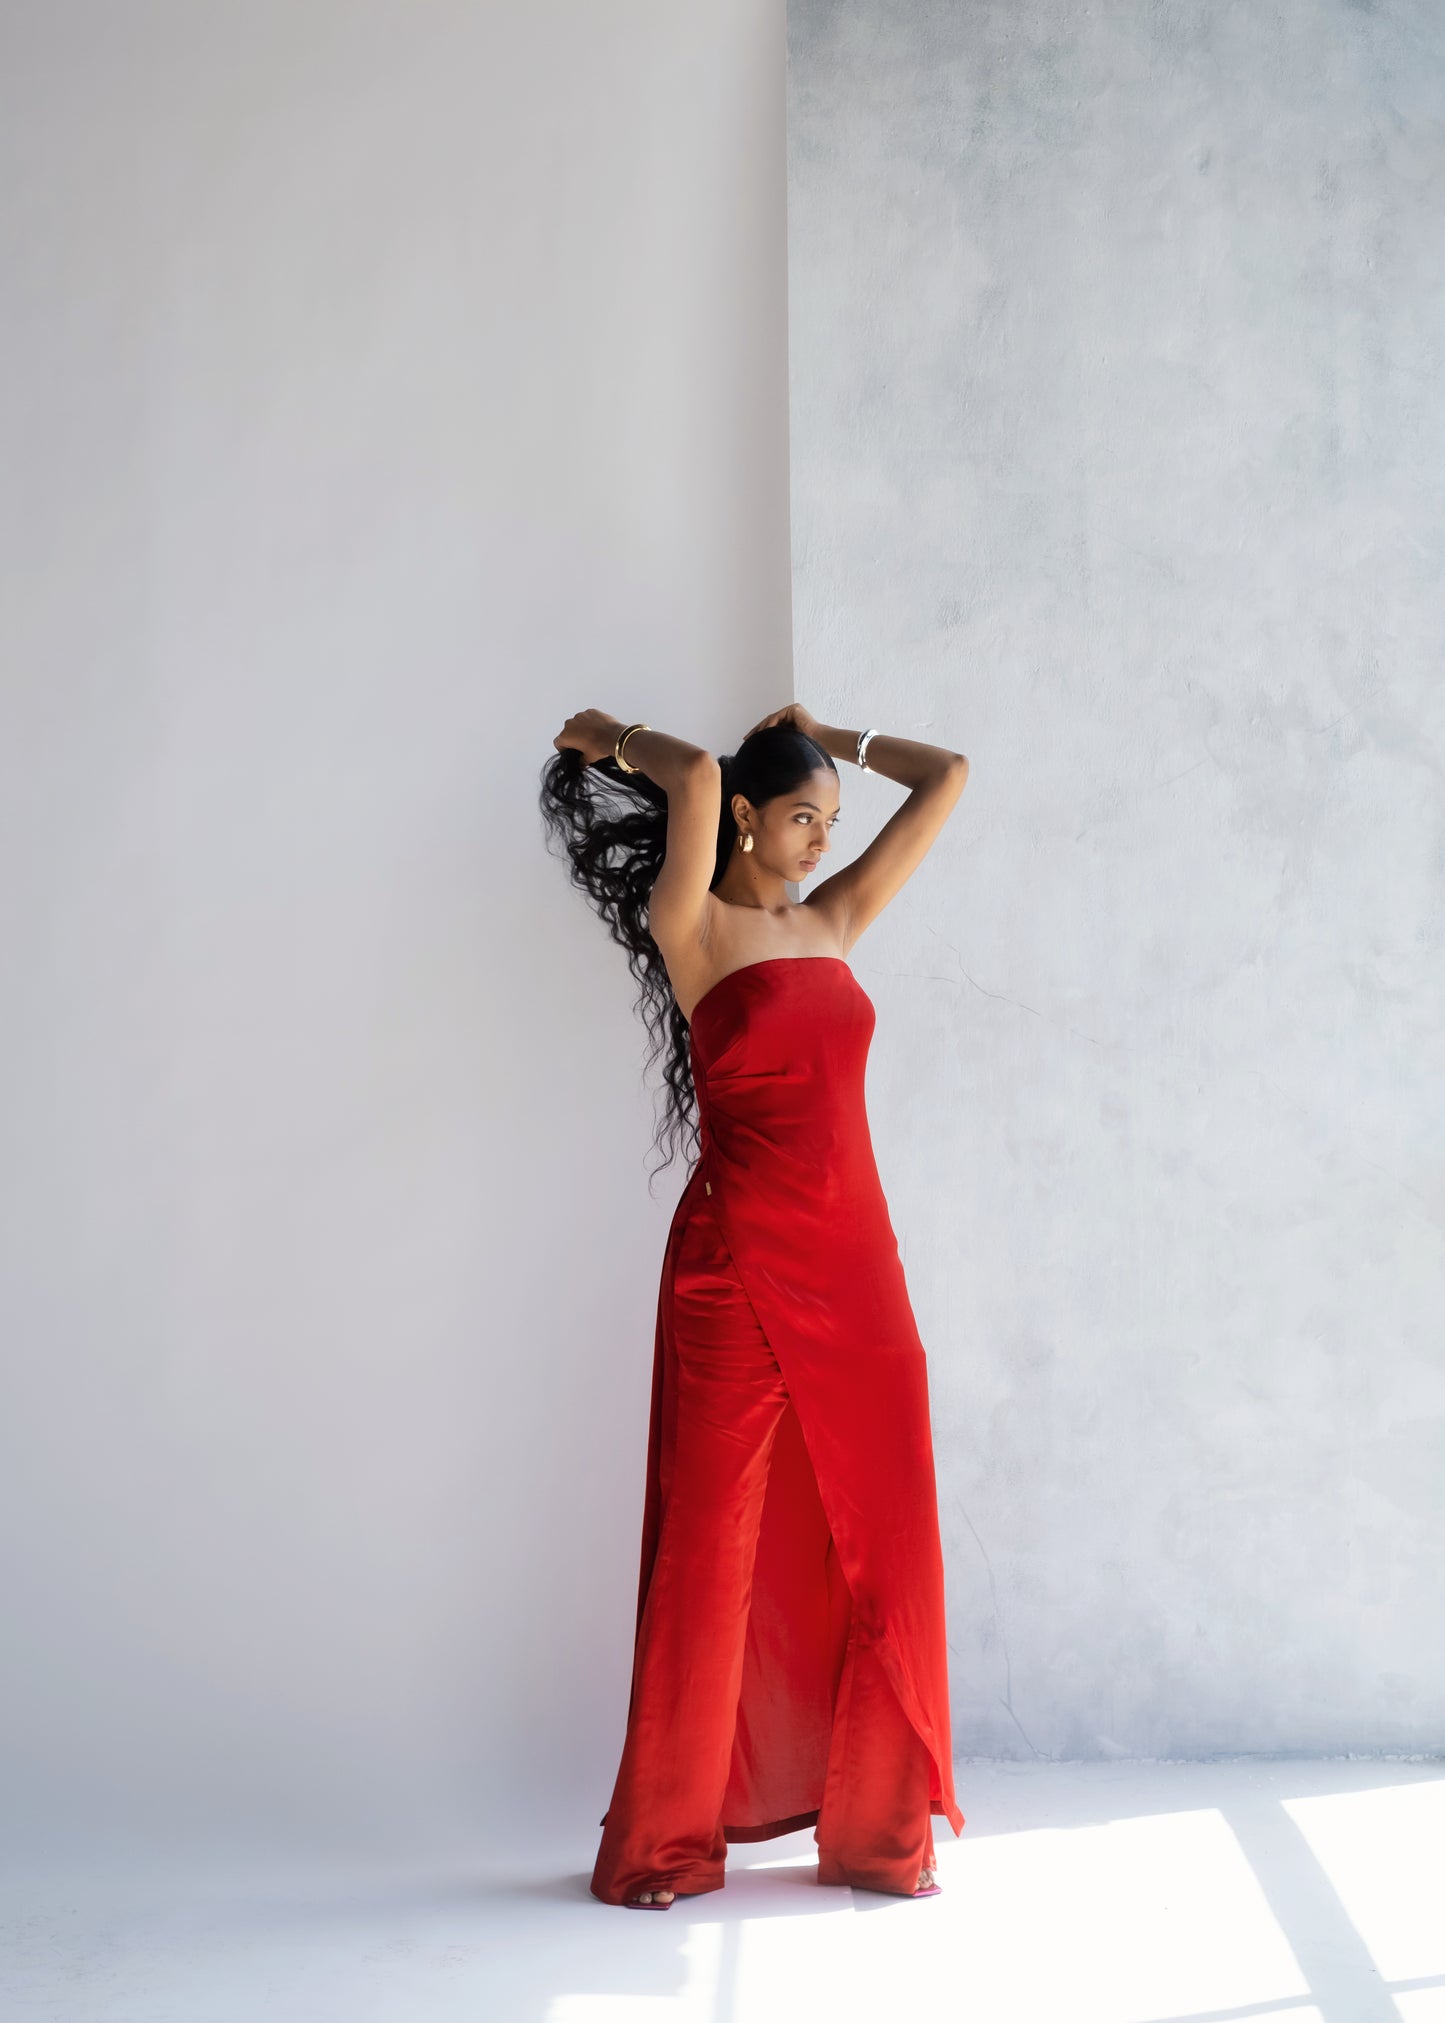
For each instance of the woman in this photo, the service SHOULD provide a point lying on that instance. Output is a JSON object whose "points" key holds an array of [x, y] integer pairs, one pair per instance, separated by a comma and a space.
{"points": [[790, 1663]]}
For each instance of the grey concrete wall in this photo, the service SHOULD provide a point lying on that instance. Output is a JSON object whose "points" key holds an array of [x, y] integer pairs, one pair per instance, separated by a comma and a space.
{"points": [[380, 384], [1118, 422]]}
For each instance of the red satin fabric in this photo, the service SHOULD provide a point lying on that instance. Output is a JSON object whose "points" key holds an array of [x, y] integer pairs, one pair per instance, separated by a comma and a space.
{"points": [[790, 1666]]}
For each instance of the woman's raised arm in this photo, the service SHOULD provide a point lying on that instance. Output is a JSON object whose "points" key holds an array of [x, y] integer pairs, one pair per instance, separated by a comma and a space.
{"points": [[691, 778]]}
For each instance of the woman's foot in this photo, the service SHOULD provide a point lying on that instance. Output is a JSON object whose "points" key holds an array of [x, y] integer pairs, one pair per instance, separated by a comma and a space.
{"points": [[653, 1897], [831, 1872]]}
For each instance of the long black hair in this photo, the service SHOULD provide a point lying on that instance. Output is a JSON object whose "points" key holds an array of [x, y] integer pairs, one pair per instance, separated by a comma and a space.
{"points": [[612, 827]]}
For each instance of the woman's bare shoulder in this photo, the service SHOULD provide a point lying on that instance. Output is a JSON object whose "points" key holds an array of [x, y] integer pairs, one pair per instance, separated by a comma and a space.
{"points": [[738, 936]]}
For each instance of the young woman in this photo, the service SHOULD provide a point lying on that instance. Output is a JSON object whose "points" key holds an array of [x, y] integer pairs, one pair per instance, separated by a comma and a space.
{"points": [[789, 1664]]}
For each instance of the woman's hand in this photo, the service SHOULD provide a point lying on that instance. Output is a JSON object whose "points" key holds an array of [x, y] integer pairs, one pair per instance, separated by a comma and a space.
{"points": [[592, 732], [794, 714]]}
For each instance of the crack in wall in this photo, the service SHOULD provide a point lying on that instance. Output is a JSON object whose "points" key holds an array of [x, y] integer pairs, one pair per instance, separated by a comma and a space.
{"points": [[1007, 1700]]}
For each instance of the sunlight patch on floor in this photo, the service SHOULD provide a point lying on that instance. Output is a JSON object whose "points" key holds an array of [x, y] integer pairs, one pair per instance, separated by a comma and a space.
{"points": [[1384, 1853], [1153, 1917], [1156, 1916], [1422, 2005]]}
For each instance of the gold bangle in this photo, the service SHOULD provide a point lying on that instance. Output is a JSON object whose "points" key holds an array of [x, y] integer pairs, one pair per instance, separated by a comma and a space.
{"points": [[621, 741]]}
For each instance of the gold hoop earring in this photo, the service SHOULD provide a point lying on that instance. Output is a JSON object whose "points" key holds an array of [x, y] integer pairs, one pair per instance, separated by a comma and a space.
{"points": [[745, 842]]}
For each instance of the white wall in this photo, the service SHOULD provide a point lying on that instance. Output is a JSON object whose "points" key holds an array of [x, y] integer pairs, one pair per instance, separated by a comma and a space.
{"points": [[380, 385], [1118, 417]]}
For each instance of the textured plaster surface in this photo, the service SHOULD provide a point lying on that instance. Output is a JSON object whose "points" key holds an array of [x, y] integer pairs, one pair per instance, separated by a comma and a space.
{"points": [[1117, 362]]}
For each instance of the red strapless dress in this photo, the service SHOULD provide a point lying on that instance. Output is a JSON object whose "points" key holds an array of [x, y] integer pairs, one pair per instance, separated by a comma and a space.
{"points": [[790, 1663]]}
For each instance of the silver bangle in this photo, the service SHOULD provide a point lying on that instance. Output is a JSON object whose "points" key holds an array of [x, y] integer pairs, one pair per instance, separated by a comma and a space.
{"points": [[863, 737]]}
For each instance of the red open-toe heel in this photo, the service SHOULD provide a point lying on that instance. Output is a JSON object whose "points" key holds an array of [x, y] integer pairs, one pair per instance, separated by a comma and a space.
{"points": [[629, 1905]]}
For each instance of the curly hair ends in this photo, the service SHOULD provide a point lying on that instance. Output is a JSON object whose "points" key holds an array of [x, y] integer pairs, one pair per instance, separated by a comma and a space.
{"points": [[612, 828]]}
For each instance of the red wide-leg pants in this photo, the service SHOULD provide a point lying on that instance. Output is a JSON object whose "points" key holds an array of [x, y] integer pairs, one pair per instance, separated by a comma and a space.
{"points": [[664, 1828]]}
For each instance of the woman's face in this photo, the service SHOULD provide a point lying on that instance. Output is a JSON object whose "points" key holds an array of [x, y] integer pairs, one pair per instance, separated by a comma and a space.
{"points": [[792, 832]]}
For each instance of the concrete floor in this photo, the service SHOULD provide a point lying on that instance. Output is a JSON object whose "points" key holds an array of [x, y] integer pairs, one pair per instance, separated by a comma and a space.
{"points": [[1308, 1891]]}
